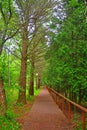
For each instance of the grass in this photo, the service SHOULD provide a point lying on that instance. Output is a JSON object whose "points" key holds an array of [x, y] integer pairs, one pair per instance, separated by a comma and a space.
{"points": [[16, 114], [12, 96], [8, 122], [77, 119]]}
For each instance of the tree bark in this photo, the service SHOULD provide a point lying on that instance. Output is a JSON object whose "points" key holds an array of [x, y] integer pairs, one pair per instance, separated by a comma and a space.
{"points": [[38, 82], [1, 47], [31, 84], [80, 96], [3, 104], [22, 79]]}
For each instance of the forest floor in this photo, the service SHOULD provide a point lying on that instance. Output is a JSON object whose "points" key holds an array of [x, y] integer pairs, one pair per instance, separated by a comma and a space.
{"points": [[22, 111], [42, 114]]}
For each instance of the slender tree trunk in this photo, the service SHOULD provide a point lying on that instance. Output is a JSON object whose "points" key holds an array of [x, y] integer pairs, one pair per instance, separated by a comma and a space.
{"points": [[38, 82], [22, 79], [1, 47], [3, 104], [80, 96], [31, 84]]}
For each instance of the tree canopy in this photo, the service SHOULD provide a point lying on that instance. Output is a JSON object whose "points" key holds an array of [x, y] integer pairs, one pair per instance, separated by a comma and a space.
{"points": [[67, 54]]}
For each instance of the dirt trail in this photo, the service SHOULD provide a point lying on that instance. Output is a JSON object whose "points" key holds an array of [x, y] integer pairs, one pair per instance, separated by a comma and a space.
{"points": [[45, 115]]}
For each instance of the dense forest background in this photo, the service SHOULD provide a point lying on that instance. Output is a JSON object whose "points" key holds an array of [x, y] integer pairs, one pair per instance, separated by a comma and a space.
{"points": [[42, 42], [67, 54]]}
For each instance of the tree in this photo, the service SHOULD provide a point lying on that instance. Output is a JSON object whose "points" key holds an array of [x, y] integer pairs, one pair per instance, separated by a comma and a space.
{"points": [[3, 104], [24, 9], [7, 23], [36, 53], [29, 17], [67, 51]]}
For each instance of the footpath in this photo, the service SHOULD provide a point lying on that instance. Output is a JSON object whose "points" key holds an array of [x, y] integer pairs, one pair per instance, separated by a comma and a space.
{"points": [[45, 115]]}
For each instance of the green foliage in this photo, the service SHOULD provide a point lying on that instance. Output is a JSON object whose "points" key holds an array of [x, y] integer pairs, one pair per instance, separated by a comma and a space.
{"points": [[10, 114], [11, 96], [20, 104], [3, 66], [9, 70], [36, 92], [67, 54], [9, 122]]}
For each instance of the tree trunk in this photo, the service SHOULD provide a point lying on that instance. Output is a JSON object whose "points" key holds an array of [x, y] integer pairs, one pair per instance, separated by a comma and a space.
{"points": [[31, 84], [38, 82], [3, 104], [1, 48], [80, 96], [22, 79]]}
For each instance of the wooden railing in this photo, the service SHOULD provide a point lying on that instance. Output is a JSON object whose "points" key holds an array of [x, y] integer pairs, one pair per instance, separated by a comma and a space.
{"points": [[63, 101]]}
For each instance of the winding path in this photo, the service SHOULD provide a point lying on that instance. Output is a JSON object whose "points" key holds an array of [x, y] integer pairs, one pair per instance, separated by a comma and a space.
{"points": [[45, 115]]}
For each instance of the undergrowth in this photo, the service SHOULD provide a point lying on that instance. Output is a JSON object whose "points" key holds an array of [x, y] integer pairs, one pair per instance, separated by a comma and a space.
{"points": [[8, 122]]}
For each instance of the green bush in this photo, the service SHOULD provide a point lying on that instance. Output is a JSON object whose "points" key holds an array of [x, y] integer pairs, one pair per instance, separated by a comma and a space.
{"points": [[8, 122]]}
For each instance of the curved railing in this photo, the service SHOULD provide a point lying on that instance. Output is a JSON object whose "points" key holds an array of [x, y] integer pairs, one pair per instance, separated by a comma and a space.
{"points": [[63, 102]]}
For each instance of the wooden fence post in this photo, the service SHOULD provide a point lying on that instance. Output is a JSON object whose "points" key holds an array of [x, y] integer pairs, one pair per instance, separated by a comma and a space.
{"points": [[69, 111], [84, 120]]}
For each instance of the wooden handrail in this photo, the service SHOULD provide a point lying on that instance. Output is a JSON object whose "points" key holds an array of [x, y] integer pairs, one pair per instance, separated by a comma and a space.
{"points": [[84, 110], [73, 103]]}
